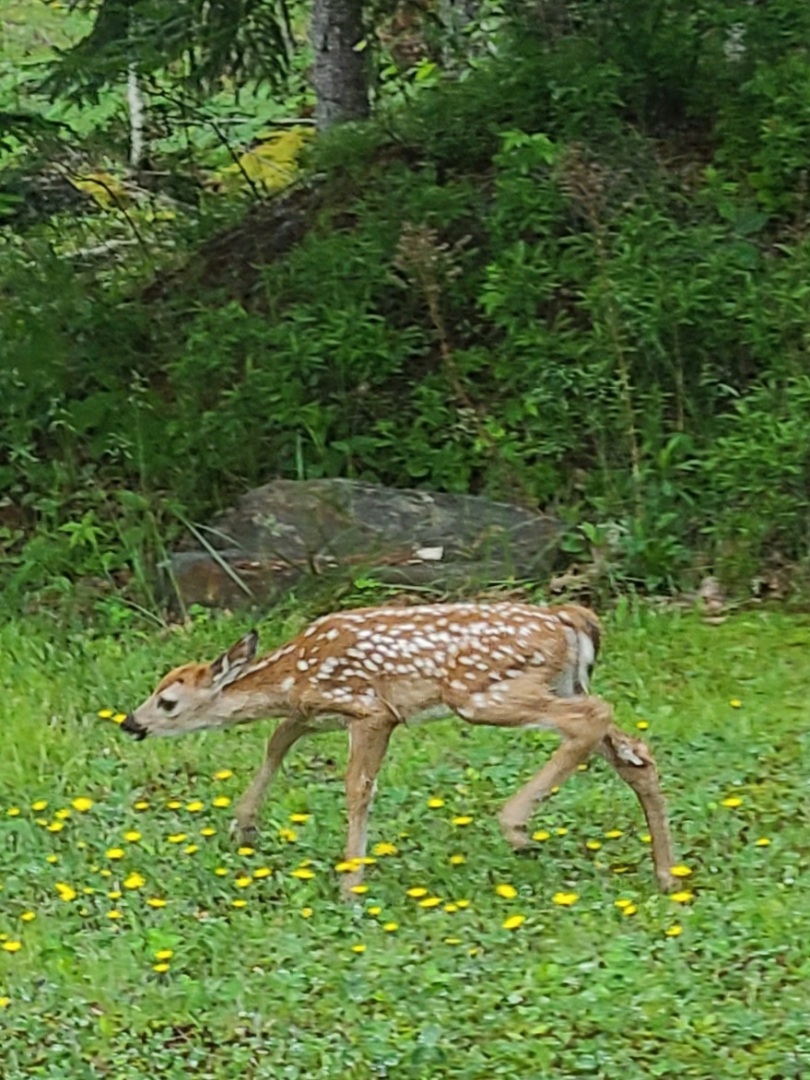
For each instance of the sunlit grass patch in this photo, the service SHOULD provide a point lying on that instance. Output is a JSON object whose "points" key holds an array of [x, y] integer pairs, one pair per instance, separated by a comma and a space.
{"points": [[112, 924]]}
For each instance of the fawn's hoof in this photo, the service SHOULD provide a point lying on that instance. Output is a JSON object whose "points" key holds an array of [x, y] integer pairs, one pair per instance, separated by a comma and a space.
{"points": [[515, 835], [244, 835], [346, 891], [667, 883]]}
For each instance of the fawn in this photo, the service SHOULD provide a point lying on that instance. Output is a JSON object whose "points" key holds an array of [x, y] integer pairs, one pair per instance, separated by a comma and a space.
{"points": [[367, 671]]}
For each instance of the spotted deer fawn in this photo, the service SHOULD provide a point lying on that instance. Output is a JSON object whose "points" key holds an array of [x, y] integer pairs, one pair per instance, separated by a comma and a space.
{"points": [[507, 664]]}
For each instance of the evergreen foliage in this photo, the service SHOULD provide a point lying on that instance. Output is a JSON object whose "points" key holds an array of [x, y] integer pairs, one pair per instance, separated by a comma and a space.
{"points": [[575, 278]]}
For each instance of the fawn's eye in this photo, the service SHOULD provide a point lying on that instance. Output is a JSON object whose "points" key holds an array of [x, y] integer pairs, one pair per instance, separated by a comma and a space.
{"points": [[166, 704]]}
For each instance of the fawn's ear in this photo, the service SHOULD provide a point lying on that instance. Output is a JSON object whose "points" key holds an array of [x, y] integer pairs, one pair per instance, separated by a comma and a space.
{"points": [[230, 664]]}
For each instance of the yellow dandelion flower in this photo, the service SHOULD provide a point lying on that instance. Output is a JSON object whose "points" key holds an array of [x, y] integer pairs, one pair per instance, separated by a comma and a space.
{"points": [[88, 890], [462, 903], [245, 851], [384, 848], [174, 804], [191, 849], [359, 889], [177, 837], [164, 954], [290, 835], [62, 815], [12, 946], [141, 804], [674, 931], [40, 804], [390, 927], [195, 806], [243, 881], [52, 859], [682, 897], [562, 831], [303, 873], [582, 767], [680, 871], [306, 912], [735, 703], [513, 922], [262, 872], [347, 866], [613, 834], [156, 902], [13, 811], [209, 830], [42, 822], [115, 914], [451, 908], [376, 910], [5, 1002], [115, 894], [565, 899], [55, 826], [430, 902], [555, 789], [732, 801], [462, 819], [223, 774], [238, 903], [115, 853], [119, 717], [359, 948], [416, 891], [105, 714], [220, 871], [366, 860], [66, 892], [630, 909], [622, 902], [763, 841], [508, 892], [452, 941], [132, 836], [82, 804], [300, 819], [435, 804], [457, 860], [593, 845], [28, 916], [541, 835], [645, 838], [161, 968], [620, 869], [134, 881], [221, 801], [642, 725]]}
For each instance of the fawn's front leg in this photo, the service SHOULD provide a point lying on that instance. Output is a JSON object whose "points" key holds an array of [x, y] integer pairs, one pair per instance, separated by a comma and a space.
{"points": [[368, 742], [288, 732]]}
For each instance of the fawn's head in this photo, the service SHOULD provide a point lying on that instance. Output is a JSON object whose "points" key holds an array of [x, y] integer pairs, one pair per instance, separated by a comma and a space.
{"points": [[189, 697]]}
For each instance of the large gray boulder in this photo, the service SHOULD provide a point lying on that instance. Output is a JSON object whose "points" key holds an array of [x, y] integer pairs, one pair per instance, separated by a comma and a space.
{"points": [[288, 528]]}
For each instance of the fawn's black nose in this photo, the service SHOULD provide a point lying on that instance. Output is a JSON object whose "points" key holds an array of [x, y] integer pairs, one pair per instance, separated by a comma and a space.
{"points": [[132, 726]]}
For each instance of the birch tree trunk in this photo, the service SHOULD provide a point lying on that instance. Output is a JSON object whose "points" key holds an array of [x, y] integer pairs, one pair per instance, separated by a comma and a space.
{"points": [[137, 118], [339, 72]]}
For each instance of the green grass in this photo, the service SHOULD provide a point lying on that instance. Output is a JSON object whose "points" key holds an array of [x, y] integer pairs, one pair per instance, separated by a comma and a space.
{"points": [[276, 989]]}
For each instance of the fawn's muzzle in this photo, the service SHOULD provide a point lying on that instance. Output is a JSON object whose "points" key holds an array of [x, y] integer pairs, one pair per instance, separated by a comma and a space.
{"points": [[131, 725]]}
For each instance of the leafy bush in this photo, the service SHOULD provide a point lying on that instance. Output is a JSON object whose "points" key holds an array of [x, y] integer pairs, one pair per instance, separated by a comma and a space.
{"points": [[574, 279]]}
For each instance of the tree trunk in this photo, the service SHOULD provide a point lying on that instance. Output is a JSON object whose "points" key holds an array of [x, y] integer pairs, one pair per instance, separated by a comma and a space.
{"points": [[339, 72], [137, 118]]}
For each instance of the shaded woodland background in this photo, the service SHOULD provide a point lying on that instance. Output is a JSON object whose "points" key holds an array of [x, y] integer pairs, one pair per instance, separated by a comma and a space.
{"points": [[564, 262]]}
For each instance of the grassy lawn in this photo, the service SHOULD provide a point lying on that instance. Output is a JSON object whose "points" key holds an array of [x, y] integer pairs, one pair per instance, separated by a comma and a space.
{"points": [[137, 942]]}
